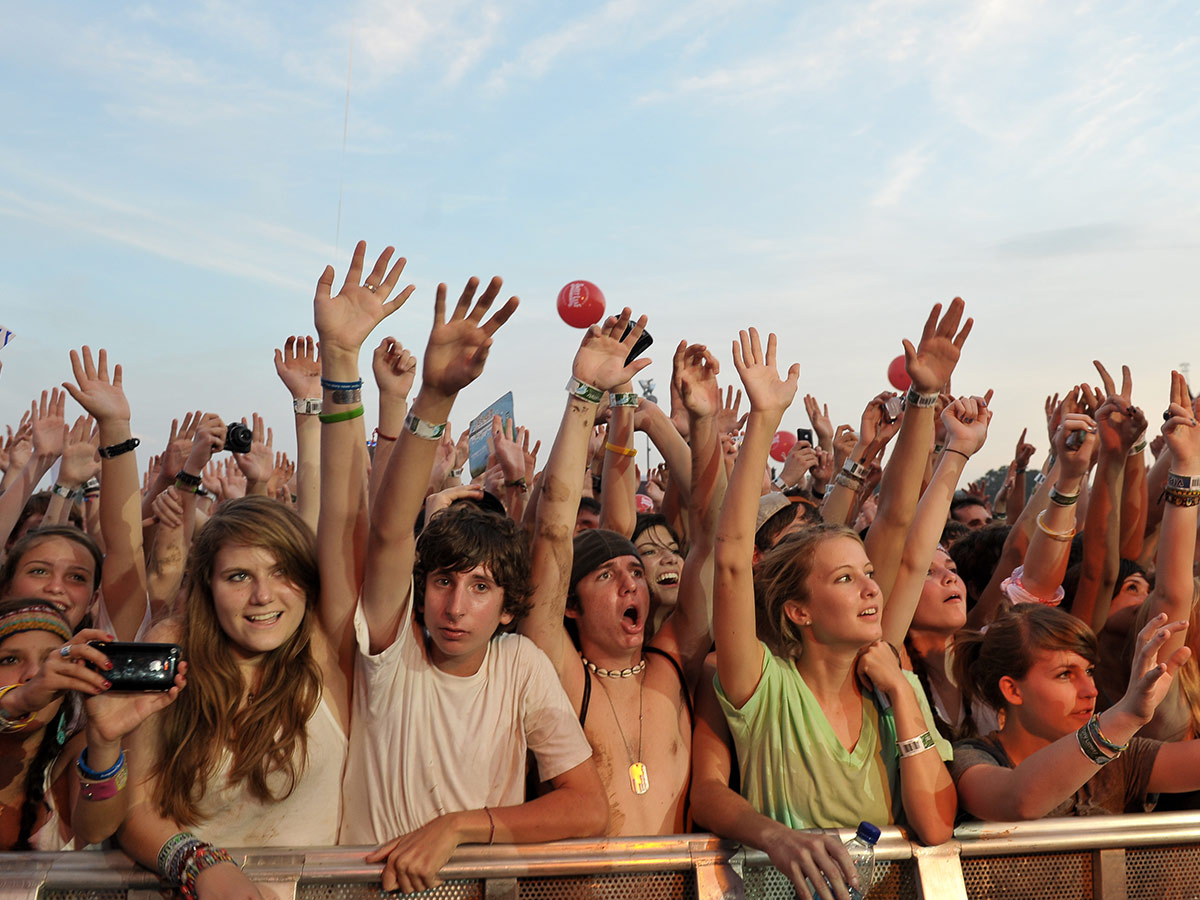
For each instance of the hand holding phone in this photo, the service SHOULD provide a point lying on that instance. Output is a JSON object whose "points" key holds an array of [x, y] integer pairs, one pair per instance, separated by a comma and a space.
{"points": [[139, 666]]}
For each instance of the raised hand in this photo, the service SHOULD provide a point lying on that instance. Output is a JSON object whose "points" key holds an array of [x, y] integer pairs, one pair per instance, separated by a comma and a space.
{"points": [[179, 444], [48, 423], [728, 421], [102, 397], [931, 363], [458, 346], [507, 448], [208, 437], [1024, 452], [818, 417], [1075, 460], [232, 481], [1180, 430], [966, 421], [259, 462], [874, 429], [80, 461], [694, 374], [1149, 677], [600, 359], [801, 458], [345, 319], [1121, 423], [395, 368], [766, 391], [298, 366], [112, 716]]}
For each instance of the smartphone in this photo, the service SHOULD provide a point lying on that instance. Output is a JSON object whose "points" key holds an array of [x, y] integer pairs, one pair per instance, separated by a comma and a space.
{"points": [[805, 434], [641, 346], [138, 666], [892, 409], [1075, 440]]}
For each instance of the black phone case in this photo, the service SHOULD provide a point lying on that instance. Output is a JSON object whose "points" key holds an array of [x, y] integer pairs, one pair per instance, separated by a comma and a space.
{"points": [[140, 667]]}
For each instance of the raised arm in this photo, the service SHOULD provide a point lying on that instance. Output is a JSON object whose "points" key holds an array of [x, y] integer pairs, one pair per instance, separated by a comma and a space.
{"points": [[1045, 561], [298, 366], [966, 421], [1120, 424], [343, 322], [1174, 584], [395, 371], [454, 357], [598, 367], [930, 365], [124, 573], [688, 630], [739, 652]]}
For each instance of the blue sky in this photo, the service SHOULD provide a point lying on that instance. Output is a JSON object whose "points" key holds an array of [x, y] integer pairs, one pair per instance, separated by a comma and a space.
{"points": [[173, 180]]}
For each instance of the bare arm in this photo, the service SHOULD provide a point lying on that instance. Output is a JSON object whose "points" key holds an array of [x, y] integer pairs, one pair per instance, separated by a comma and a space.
{"points": [[395, 371], [618, 483], [739, 652], [298, 366], [967, 422], [454, 357], [930, 365]]}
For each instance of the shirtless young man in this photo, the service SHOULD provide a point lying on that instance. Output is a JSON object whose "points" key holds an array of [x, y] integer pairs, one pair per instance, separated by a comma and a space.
{"points": [[634, 700]]}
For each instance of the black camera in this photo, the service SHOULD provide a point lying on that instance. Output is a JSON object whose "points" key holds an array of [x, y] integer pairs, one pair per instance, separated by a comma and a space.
{"points": [[238, 437]]}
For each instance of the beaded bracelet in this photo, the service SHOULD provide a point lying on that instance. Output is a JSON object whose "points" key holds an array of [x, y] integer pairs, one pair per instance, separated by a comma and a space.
{"points": [[1181, 498], [202, 857], [170, 855]]}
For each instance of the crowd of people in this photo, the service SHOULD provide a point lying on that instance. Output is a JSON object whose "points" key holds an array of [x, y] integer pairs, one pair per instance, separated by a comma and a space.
{"points": [[378, 649]]}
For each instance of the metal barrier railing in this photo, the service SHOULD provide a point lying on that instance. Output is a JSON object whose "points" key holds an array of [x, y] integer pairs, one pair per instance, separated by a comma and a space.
{"points": [[1156, 855]]}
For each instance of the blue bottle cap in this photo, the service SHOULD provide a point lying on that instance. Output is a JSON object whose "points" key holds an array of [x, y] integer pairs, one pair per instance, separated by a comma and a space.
{"points": [[868, 832]]}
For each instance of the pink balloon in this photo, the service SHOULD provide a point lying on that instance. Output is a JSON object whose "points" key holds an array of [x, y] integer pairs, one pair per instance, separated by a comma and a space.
{"points": [[782, 444], [898, 375], [580, 304]]}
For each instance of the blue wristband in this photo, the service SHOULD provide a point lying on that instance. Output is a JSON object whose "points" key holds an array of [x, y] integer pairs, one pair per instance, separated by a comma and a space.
{"points": [[91, 775]]}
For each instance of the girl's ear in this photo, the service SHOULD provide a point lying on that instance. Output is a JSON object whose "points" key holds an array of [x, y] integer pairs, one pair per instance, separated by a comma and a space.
{"points": [[796, 613], [1011, 691]]}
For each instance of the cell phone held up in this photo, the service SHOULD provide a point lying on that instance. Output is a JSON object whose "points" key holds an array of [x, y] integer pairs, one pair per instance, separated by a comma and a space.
{"points": [[139, 667]]}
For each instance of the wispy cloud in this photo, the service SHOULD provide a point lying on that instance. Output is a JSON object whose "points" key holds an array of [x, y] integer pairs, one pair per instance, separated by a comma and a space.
{"points": [[904, 172]]}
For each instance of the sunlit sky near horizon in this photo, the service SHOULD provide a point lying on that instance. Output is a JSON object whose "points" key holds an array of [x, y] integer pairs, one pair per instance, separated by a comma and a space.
{"points": [[173, 179]]}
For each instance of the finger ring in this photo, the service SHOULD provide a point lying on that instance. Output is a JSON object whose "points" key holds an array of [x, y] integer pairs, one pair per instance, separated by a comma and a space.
{"points": [[65, 651], [371, 287], [1167, 416]]}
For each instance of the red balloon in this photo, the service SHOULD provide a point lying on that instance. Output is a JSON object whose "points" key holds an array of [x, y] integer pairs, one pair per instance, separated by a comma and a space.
{"points": [[580, 304], [898, 375], [782, 444]]}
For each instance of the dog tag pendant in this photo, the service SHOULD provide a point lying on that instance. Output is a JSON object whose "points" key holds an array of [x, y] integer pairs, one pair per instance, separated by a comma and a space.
{"points": [[639, 779]]}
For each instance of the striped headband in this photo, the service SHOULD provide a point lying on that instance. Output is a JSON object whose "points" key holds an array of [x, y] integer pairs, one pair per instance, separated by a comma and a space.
{"points": [[34, 618]]}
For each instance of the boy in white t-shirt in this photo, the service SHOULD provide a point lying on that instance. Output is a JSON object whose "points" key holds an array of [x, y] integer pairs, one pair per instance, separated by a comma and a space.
{"points": [[444, 705]]}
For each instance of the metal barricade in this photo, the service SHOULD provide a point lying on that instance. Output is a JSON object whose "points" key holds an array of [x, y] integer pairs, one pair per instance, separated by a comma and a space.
{"points": [[1098, 858]]}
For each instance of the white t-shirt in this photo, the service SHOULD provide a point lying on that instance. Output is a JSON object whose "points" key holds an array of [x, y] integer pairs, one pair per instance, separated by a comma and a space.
{"points": [[424, 743]]}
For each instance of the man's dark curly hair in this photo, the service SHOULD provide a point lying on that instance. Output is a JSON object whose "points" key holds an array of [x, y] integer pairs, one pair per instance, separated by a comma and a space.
{"points": [[465, 536]]}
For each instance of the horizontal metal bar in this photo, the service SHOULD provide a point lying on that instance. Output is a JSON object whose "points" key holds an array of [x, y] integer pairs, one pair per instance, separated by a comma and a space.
{"points": [[675, 853]]}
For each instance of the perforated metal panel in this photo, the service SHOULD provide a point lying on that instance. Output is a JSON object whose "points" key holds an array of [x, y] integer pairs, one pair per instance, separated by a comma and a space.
{"points": [[627, 886], [451, 890], [83, 894], [1162, 873], [1061, 876], [893, 881]]}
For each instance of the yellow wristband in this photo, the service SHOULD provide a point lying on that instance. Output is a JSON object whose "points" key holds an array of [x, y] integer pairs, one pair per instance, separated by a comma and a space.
{"points": [[623, 451]]}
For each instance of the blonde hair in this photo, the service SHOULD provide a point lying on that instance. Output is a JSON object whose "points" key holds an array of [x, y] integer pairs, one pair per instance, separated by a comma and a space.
{"points": [[269, 734], [782, 576]]}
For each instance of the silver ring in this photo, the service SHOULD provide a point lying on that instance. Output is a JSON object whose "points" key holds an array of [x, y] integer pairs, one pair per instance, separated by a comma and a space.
{"points": [[371, 287], [65, 651]]}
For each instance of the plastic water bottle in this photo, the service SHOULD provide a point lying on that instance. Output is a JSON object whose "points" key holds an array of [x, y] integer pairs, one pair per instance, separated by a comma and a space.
{"points": [[861, 848]]}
